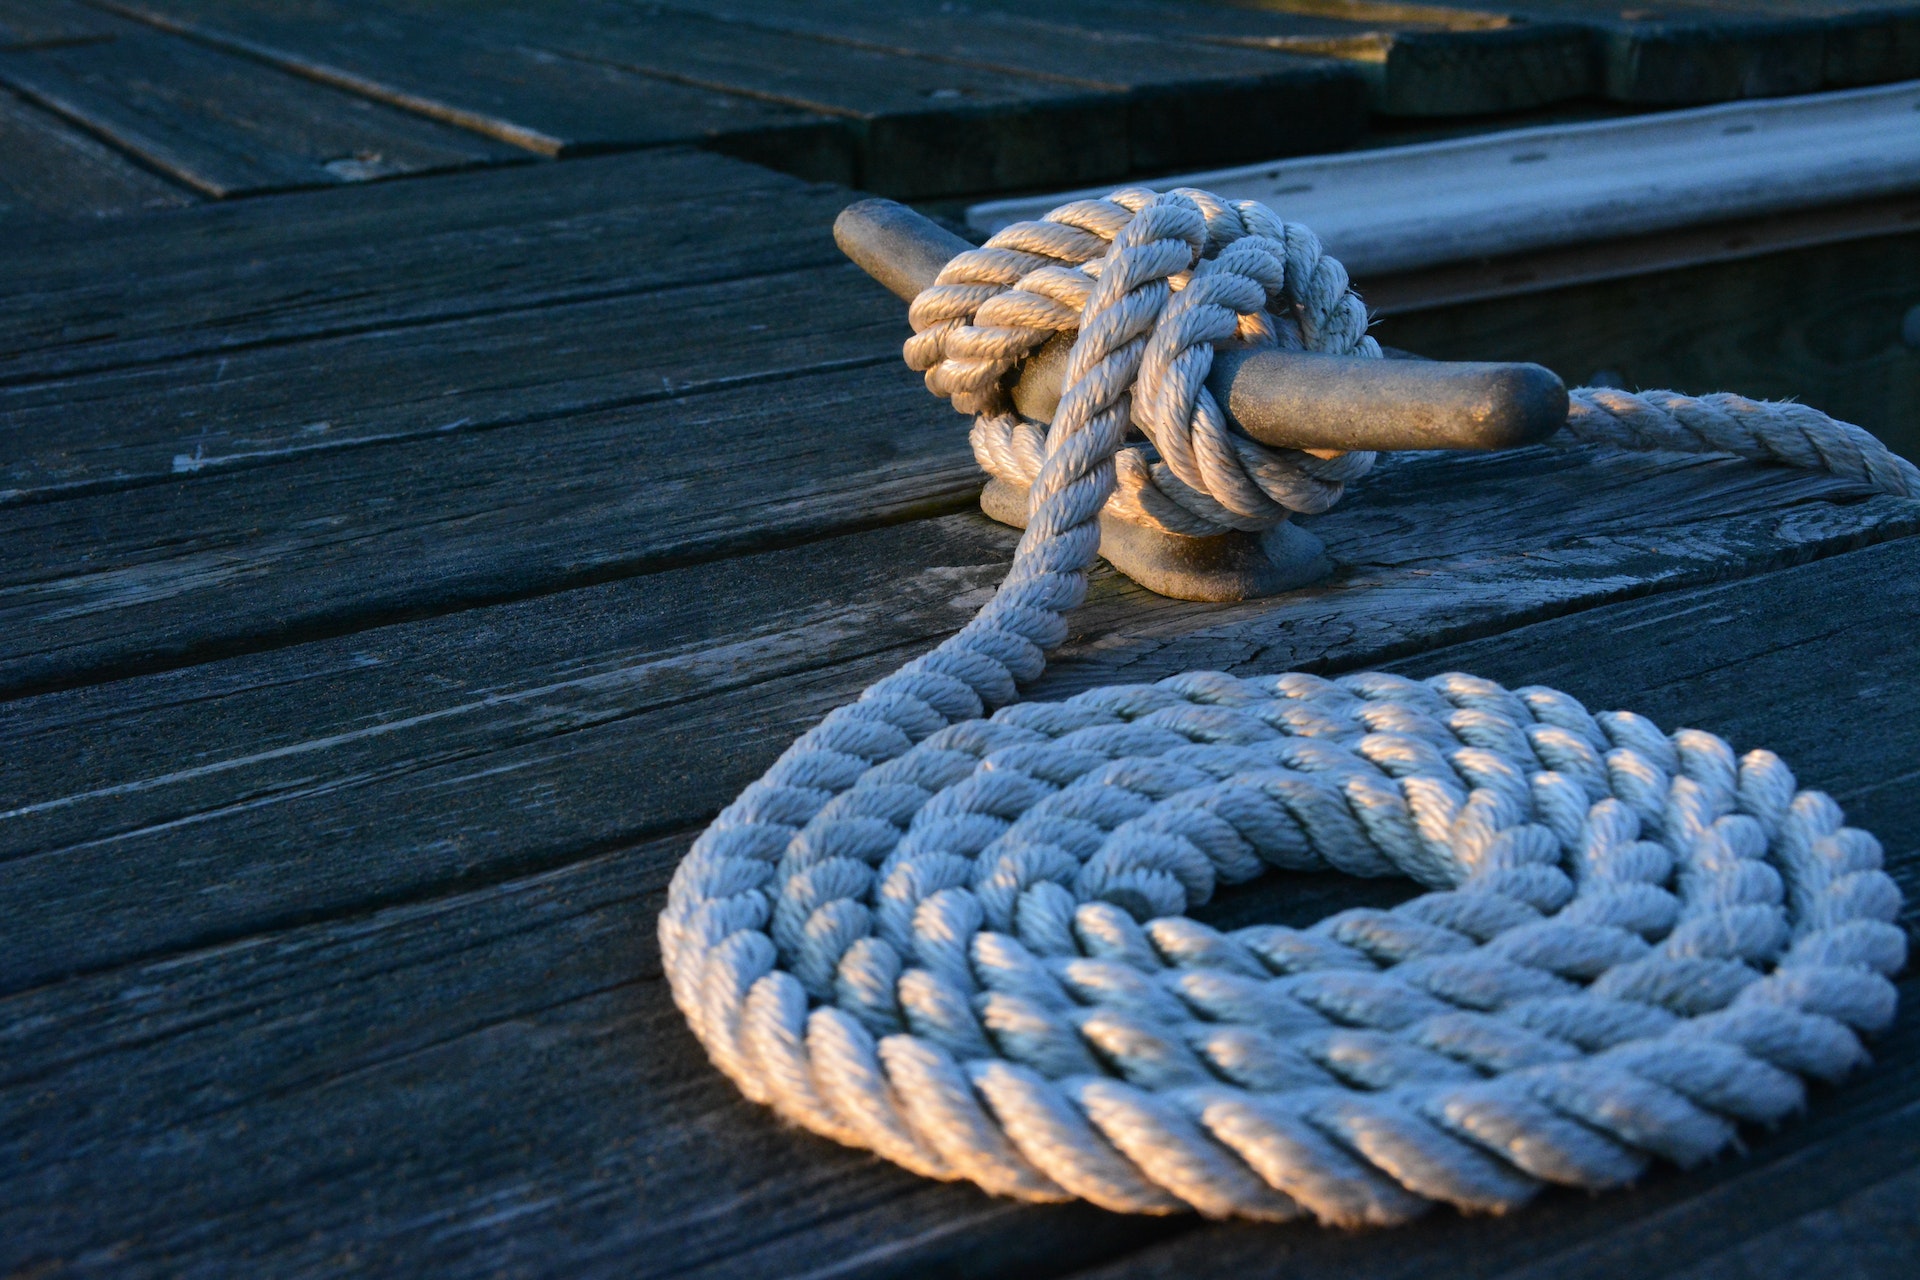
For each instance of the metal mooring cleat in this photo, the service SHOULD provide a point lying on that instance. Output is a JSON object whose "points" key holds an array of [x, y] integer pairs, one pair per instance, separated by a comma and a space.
{"points": [[1287, 399]]}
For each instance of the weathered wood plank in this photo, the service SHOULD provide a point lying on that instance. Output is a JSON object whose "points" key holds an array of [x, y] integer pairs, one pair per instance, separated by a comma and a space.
{"points": [[1457, 200], [1715, 50], [1820, 324], [484, 742], [1872, 1234], [1030, 40], [265, 404], [441, 65], [1740, 240], [227, 277], [1178, 96], [444, 520], [1457, 58], [48, 170], [227, 126], [1418, 60], [670, 468], [548, 995], [1677, 54], [473, 744], [232, 559], [29, 23], [925, 127], [908, 125], [1709, 50], [496, 1081]]}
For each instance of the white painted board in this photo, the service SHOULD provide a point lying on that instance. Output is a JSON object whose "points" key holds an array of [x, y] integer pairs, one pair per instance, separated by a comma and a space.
{"points": [[1404, 208]]}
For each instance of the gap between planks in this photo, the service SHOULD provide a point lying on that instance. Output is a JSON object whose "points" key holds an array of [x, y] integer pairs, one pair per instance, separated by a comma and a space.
{"points": [[226, 126], [221, 279]]}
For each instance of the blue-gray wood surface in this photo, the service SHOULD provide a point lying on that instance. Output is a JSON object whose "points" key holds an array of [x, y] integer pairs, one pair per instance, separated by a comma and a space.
{"points": [[397, 577], [237, 97], [394, 575]]}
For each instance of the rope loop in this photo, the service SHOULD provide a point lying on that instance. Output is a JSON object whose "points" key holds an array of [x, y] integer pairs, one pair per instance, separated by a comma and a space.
{"points": [[953, 928], [1256, 282]]}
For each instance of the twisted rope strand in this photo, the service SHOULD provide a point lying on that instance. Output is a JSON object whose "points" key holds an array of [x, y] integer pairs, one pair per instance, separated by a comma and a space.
{"points": [[1766, 431], [1259, 282], [958, 938]]}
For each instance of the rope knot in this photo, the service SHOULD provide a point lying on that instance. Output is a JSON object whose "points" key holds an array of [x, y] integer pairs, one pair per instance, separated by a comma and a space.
{"points": [[1247, 280]]}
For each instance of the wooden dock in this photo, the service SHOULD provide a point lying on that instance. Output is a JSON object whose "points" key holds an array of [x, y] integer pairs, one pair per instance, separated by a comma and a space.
{"points": [[447, 458]]}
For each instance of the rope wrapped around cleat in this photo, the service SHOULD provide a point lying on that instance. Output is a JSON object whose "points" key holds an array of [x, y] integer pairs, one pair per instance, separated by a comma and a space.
{"points": [[949, 927]]}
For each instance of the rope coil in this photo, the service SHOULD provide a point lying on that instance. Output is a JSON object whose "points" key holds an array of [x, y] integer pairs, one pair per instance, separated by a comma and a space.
{"points": [[959, 939]]}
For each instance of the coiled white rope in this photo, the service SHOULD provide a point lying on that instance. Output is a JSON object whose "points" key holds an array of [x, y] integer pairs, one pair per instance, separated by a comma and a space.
{"points": [[957, 939]]}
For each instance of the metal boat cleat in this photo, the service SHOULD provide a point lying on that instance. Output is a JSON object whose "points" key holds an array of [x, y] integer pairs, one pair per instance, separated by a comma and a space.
{"points": [[1288, 399]]}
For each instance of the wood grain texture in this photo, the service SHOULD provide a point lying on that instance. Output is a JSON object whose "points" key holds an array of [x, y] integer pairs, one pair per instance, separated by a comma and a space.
{"points": [[229, 277], [263, 405], [1872, 1233], [909, 122], [1034, 40], [923, 128], [228, 126], [933, 124], [335, 775], [219, 558], [1690, 52], [915, 102], [505, 1091], [1819, 324], [442, 65], [590, 418], [30, 23], [1469, 199], [1179, 97], [231, 559], [1506, 57], [1714, 50], [1418, 60], [337, 949], [494, 1081], [1430, 74], [1630, 256], [50, 170]]}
